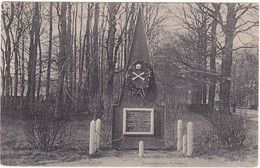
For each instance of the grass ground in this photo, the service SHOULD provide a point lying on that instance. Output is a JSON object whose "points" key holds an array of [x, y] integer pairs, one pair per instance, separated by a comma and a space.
{"points": [[15, 151]]}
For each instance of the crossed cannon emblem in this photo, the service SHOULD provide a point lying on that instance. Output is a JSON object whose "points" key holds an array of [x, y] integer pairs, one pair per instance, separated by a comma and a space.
{"points": [[138, 76]]}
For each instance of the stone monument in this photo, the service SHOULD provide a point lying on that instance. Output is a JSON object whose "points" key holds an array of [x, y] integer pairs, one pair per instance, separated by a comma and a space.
{"points": [[137, 116]]}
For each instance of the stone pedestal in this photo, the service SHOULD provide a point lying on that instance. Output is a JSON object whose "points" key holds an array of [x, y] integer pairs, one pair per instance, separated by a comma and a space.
{"points": [[127, 141]]}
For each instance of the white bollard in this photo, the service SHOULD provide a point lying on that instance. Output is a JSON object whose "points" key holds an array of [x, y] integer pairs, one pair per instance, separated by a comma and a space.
{"points": [[184, 144], [189, 138], [95, 135], [98, 131], [92, 130], [179, 135], [141, 149], [95, 141]]}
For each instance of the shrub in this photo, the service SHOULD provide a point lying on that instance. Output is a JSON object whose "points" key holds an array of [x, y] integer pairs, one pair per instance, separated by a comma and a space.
{"points": [[46, 130], [206, 143], [231, 130]]}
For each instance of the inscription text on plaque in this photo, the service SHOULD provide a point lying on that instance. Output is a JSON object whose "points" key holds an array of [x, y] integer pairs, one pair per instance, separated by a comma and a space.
{"points": [[138, 121]]}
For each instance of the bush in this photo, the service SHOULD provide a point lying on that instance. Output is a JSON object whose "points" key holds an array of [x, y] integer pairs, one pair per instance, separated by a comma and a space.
{"points": [[206, 143], [231, 130], [46, 130]]}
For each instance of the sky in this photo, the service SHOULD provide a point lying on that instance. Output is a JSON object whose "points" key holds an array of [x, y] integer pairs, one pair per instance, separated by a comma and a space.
{"points": [[173, 25]]}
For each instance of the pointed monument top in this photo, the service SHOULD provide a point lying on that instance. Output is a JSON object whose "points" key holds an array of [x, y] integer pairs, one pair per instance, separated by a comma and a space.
{"points": [[139, 49], [139, 52]]}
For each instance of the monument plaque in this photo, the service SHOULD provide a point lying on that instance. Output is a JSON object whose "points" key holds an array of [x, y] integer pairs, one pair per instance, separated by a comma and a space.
{"points": [[138, 121]]}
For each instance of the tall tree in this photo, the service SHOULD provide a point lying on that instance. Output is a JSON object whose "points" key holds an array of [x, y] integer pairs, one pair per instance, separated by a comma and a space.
{"points": [[22, 73], [194, 18], [75, 51], [33, 56], [19, 31], [8, 19], [94, 78], [213, 53], [69, 53], [81, 57], [38, 37], [94, 73], [62, 56], [231, 29], [49, 53], [112, 10], [87, 53]]}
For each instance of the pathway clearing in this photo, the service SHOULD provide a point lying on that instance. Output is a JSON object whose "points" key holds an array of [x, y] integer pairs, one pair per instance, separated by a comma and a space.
{"points": [[251, 114], [160, 159]]}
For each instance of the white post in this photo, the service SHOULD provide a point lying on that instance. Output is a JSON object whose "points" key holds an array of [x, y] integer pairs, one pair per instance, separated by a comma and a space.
{"points": [[95, 141], [179, 135], [184, 144], [92, 130], [141, 149], [98, 131], [189, 139]]}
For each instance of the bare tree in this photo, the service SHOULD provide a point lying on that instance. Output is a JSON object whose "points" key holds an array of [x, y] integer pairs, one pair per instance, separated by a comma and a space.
{"points": [[22, 61], [81, 57], [49, 53], [213, 54], [112, 10], [69, 53], [8, 19], [75, 13], [34, 32], [38, 37], [231, 29], [194, 18], [61, 12], [19, 32], [86, 51]]}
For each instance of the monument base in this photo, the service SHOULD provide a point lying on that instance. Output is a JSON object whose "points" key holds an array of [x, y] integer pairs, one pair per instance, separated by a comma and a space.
{"points": [[131, 141]]}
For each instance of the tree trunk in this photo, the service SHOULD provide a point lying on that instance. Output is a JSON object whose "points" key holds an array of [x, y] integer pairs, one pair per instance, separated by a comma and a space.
{"points": [[204, 57], [16, 71], [33, 57], [108, 97], [22, 75], [38, 41], [62, 59], [75, 15], [94, 73], [40, 69], [69, 52], [19, 32], [7, 78], [102, 62], [213, 53], [75, 51], [225, 83], [49, 55], [87, 54], [81, 57], [197, 93], [110, 54], [103, 55], [3, 85]]}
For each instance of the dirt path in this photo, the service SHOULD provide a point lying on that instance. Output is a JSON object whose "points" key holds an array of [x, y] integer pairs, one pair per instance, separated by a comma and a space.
{"points": [[160, 159], [250, 114]]}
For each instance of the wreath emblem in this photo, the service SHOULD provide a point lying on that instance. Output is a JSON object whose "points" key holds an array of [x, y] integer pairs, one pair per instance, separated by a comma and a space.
{"points": [[139, 77]]}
